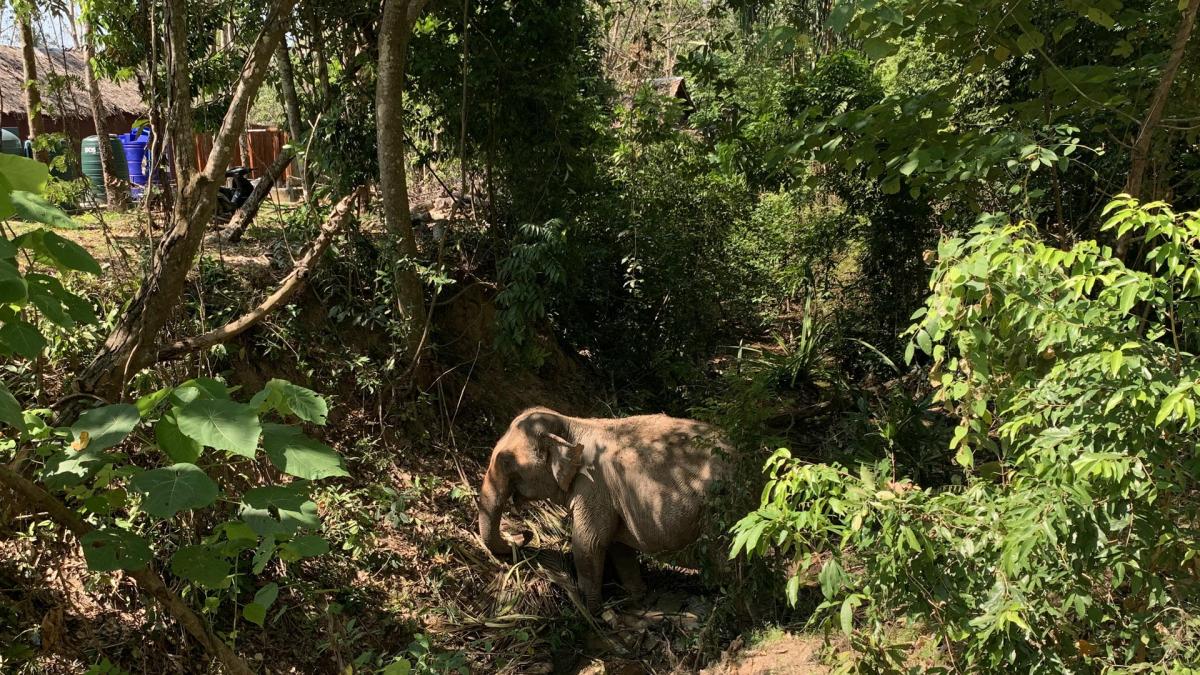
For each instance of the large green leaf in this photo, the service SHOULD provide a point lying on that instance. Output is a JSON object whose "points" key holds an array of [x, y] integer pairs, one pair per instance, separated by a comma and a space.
{"points": [[256, 612], [24, 174], [10, 409], [298, 455], [304, 546], [173, 442], [115, 549], [199, 388], [224, 425], [172, 489], [68, 254], [68, 467], [105, 426], [46, 293], [7, 250], [291, 399], [13, 289], [279, 509], [54, 250], [203, 565], [22, 338], [34, 208]]}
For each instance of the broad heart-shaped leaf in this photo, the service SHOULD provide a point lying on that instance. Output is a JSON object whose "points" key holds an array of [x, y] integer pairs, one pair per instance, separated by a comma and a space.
{"points": [[291, 399], [24, 174], [105, 426], [304, 546], [172, 489], [115, 549], [7, 250], [224, 425], [279, 509], [13, 287], [22, 338], [298, 455], [10, 409], [203, 565], [199, 388], [67, 467], [35, 209], [171, 440]]}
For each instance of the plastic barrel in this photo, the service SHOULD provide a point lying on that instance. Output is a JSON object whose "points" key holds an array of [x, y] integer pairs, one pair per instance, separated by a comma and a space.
{"points": [[136, 143], [10, 143], [89, 156]]}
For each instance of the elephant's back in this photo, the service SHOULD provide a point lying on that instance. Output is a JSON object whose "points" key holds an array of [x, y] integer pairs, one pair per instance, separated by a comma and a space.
{"points": [[661, 487]]}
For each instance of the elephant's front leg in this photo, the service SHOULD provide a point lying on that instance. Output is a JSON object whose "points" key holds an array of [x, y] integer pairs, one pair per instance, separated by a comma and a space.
{"points": [[592, 533], [629, 571]]}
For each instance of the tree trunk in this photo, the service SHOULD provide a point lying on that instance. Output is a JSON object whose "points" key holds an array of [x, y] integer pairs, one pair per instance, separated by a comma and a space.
{"points": [[1140, 155], [291, 103], [245, 215], [395, 28], [133, 343], [33, 98], [115, 189]]}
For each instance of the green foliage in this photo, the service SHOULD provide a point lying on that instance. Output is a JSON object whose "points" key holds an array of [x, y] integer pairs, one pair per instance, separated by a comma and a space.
{"points": [[532, 274], [1068, 543]]}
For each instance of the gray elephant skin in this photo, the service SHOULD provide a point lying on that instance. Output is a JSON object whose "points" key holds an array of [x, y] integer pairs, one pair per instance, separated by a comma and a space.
{"points": [[631, 484]]}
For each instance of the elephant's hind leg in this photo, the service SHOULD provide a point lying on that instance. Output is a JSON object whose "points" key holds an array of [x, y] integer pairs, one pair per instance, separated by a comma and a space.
{"points": [[629, 571]]}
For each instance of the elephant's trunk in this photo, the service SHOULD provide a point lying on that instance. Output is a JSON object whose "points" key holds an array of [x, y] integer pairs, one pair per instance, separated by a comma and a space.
{"points": [[492, 498]]}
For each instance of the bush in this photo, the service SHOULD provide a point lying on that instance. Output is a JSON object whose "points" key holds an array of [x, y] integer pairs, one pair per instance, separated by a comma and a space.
{"points": [[1070, 542]]}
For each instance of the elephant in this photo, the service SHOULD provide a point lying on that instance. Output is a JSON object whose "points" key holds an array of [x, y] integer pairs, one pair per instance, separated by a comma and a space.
{"points": [[631, 484]]}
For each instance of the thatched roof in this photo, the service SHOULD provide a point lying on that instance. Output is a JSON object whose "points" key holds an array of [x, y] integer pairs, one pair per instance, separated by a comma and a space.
{"points": [[672, 87], [66, 66]]}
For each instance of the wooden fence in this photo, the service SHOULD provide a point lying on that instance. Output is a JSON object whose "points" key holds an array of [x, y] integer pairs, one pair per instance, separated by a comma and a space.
{"points": [[258, 148]]}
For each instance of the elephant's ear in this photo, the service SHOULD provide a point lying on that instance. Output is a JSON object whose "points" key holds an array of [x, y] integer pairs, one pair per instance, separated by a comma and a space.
{"points": [[565, 459]]}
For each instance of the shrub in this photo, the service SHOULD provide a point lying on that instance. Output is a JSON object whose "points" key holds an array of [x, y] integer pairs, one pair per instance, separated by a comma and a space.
{"points": [[1070, 543]]}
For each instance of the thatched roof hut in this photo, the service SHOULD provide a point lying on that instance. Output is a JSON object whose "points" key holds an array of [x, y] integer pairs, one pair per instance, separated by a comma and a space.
{"points": [[65, 105]]}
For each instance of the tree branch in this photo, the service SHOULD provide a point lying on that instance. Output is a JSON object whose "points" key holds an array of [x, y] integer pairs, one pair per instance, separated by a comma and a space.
{"points": [[1140, 154], [1158, 103], [36, 498], [290, 284], [253, 72]]}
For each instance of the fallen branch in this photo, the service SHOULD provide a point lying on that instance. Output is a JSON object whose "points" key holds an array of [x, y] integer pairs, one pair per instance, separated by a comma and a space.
{"points": [[37, 499], [290, 284], [246, 214]]}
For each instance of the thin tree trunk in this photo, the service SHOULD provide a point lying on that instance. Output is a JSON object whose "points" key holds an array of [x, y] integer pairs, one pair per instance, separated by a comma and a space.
{"points": [[115, 189], [246, 214], [33, 98], [1140, 155], [133, 343], [37, 499], [291, 103], [395, 29]]}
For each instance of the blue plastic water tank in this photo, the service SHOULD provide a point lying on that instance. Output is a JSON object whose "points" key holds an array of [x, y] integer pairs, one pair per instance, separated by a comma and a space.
{"points": [[136, 142]]}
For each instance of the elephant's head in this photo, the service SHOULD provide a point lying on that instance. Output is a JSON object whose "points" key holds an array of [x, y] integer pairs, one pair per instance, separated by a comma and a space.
{"points": [[536, 459]]}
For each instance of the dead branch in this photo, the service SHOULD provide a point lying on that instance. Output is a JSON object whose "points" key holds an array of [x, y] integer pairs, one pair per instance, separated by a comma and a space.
{"points": [[288, 287]]}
